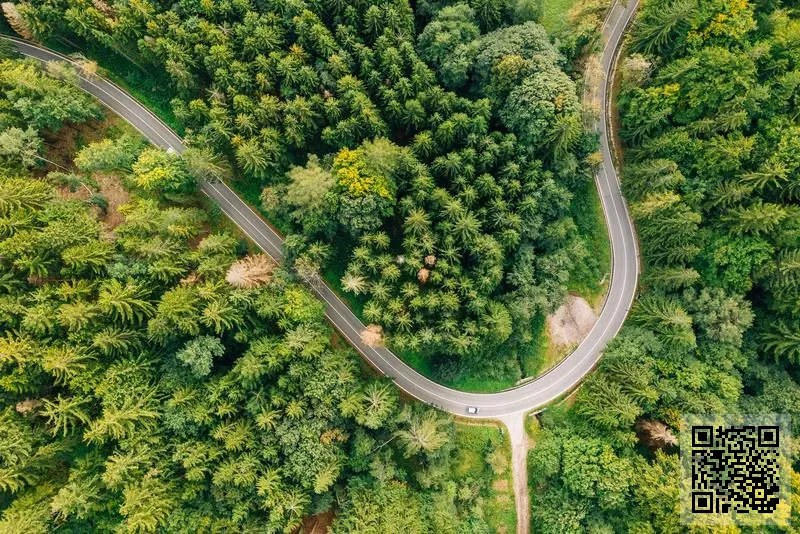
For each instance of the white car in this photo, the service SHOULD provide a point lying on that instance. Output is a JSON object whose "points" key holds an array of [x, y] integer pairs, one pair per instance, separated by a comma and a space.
{"points": [[472, 410]]}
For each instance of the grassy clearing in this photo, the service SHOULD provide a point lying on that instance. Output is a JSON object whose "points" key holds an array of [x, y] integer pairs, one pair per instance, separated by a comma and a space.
{"points": [[553, 14], [424, 365], [475, 446], [590, 278]]}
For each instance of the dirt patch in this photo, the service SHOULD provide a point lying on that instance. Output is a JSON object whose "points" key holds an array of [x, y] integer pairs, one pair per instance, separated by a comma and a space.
{"points": [[316, 524], [111, 188], [500, 485], [116, 195], [571, 322], [60, 146], [80, 193], [60, 149], [372, 336]]}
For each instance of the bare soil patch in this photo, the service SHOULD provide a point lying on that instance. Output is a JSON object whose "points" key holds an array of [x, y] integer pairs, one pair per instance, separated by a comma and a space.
{"points": [[116, 195], [372, 336], [571, 322], [60, 149], [111, 188], [81, 193], [316, 524]]}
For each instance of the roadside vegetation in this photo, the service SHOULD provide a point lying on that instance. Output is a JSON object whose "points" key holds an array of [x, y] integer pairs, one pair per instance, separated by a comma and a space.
{"points": [[553, 14], [573, 25], [484, 454], [590, 277], [156, 376], [708, 106]]}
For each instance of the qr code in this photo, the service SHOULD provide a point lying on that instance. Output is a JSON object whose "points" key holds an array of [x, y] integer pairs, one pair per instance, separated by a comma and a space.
{"points": [[734, 466]]}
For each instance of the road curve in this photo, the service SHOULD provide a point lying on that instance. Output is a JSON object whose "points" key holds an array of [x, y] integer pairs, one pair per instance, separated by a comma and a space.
{"points": [[531, 395]]}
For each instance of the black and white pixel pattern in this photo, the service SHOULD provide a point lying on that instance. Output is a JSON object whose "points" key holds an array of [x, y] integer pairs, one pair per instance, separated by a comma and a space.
{"points": [[733, 466]]}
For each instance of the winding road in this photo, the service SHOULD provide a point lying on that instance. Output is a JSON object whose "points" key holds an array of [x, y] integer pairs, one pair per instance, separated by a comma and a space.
{"points": [[521, 399], [509, 406]]}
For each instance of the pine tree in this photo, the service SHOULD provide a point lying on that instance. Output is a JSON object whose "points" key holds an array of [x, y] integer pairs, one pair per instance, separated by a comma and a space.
{"points": [[782, 340], [423, 434], [64, 415]]}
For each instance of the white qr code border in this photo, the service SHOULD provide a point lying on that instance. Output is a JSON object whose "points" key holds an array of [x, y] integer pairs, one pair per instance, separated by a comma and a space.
{"points": [[712, 479]]}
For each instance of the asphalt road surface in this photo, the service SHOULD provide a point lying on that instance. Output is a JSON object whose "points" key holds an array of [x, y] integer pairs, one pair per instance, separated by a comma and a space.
{"points": [[530, 396]]}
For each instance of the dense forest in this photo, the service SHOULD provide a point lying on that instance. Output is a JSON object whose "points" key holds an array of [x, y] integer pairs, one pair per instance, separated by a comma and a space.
{"points": [[435, 149], [708, 103], [154, 376]]}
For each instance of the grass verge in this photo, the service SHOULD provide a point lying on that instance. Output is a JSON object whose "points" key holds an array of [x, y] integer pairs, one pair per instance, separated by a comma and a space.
{"points": [[534, 358], [483, 452], [425, 365], [553, 14], [480, 385], [589, 278]]}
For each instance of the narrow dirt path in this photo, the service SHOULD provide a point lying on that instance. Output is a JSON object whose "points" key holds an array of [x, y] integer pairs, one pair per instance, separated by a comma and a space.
{"points": [[515, 423]]}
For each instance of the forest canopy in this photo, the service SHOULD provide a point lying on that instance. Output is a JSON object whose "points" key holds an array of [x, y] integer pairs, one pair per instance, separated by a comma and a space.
{"points": [[708, 107], [436, 152], [426, 157], [155, 376]]}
